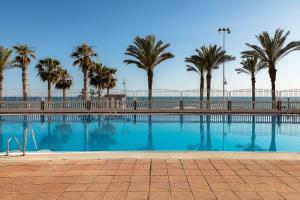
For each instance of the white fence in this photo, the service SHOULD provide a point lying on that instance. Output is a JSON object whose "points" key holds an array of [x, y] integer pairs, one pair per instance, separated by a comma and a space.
{"points": [[261, 94], [174, 104]]}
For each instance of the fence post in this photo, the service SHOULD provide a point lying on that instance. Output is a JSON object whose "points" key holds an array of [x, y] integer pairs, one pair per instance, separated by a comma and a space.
{"points": [[42, 105], [181, 104], [279, 105], [134, 104], [112, 103], [88, 105], [117, 104], [229, 104], [107, 103]]}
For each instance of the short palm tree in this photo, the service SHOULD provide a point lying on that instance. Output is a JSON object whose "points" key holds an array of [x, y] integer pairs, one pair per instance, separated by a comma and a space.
{"points": [[63, 82], [22, 60], [251, 66], [48, 71], [147, 53], [97, 77], [5, 63], [110, 80], [270, 51], [197, 64], [83, 56], [213, 56]]}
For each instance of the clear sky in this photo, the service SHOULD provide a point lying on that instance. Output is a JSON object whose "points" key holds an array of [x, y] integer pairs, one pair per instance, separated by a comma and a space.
{"points": [[54, 27]]}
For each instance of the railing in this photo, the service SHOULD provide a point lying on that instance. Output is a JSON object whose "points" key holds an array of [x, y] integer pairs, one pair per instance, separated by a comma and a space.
{"points": [[52, 105], [158, 93], [20, 105], [163, 104]]}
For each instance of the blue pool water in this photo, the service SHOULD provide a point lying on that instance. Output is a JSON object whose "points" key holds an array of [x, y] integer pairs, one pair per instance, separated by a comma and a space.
{"points": [[155, 132]]}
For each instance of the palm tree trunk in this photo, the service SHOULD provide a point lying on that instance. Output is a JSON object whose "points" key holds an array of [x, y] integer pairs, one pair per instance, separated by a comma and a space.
{"points": [[98, 93], [24, 82], [272, 74], [253, 91], [1, 85], [64, 94], [150, 81], [201, 90], [64, 98], [49, 90], [85, 80], [108, 92], [208, 82]]}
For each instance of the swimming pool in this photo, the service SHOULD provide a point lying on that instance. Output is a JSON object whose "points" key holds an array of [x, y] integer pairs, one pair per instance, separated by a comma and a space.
{"points": [[155, 132]]}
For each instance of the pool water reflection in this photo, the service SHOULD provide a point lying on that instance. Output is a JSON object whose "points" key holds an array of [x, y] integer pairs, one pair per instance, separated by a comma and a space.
{"points": [[155, 132]]}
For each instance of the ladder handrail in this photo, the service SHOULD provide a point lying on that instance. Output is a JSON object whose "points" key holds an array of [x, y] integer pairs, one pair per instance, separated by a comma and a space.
{"points": [[8, 143], [33, 136], [25, 133]]}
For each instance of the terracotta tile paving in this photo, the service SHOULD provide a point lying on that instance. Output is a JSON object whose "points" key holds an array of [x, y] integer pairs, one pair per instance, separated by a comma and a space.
{"points": [[134, 179]]}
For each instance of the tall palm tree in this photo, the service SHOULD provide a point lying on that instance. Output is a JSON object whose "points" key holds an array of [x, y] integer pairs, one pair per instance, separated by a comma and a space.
{"points": [[64, 81], [97, 77], [251, 66], [48, 70], [5, 63], [147, 53], [271, 50], [83, 56], [22, 60], [198, 66], [213, 56], [110, 80]]}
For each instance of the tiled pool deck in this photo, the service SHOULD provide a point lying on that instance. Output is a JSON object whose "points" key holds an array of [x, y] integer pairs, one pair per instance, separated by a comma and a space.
{"points": [[156, 179]]}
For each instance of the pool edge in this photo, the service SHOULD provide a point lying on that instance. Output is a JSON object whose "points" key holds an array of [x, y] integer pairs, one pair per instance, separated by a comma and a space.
{"points": [[149, 155]]}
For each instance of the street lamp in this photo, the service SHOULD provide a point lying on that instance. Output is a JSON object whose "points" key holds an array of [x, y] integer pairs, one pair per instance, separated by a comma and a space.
{"points": [[224, 31]]}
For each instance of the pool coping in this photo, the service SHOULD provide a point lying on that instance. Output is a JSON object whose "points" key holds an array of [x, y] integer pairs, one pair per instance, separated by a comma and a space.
{"points": [[35, 156]]}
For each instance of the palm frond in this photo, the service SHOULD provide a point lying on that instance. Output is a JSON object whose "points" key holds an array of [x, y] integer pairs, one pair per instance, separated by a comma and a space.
{"points": [[147, 52]]}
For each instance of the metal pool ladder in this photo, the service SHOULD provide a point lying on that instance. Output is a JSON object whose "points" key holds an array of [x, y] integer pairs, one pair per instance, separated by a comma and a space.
{"points": [[25, 137]]}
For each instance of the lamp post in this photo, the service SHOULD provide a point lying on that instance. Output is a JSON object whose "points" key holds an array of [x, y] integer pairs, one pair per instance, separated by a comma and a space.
{"points": [[224, 31], [124, 86]]}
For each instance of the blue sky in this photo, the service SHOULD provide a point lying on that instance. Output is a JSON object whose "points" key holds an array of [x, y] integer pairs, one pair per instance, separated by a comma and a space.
{"points": [[55, 27]]}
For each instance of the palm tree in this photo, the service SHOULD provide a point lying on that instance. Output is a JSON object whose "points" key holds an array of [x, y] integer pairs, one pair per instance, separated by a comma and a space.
{"points": [[48, 70], [83, 55], [250, 66], [5, 63], [198, 66], [22, 60], [64, 81], [213, 56], [110, 80], [147, 53], [270, 51], [97, 77]]}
